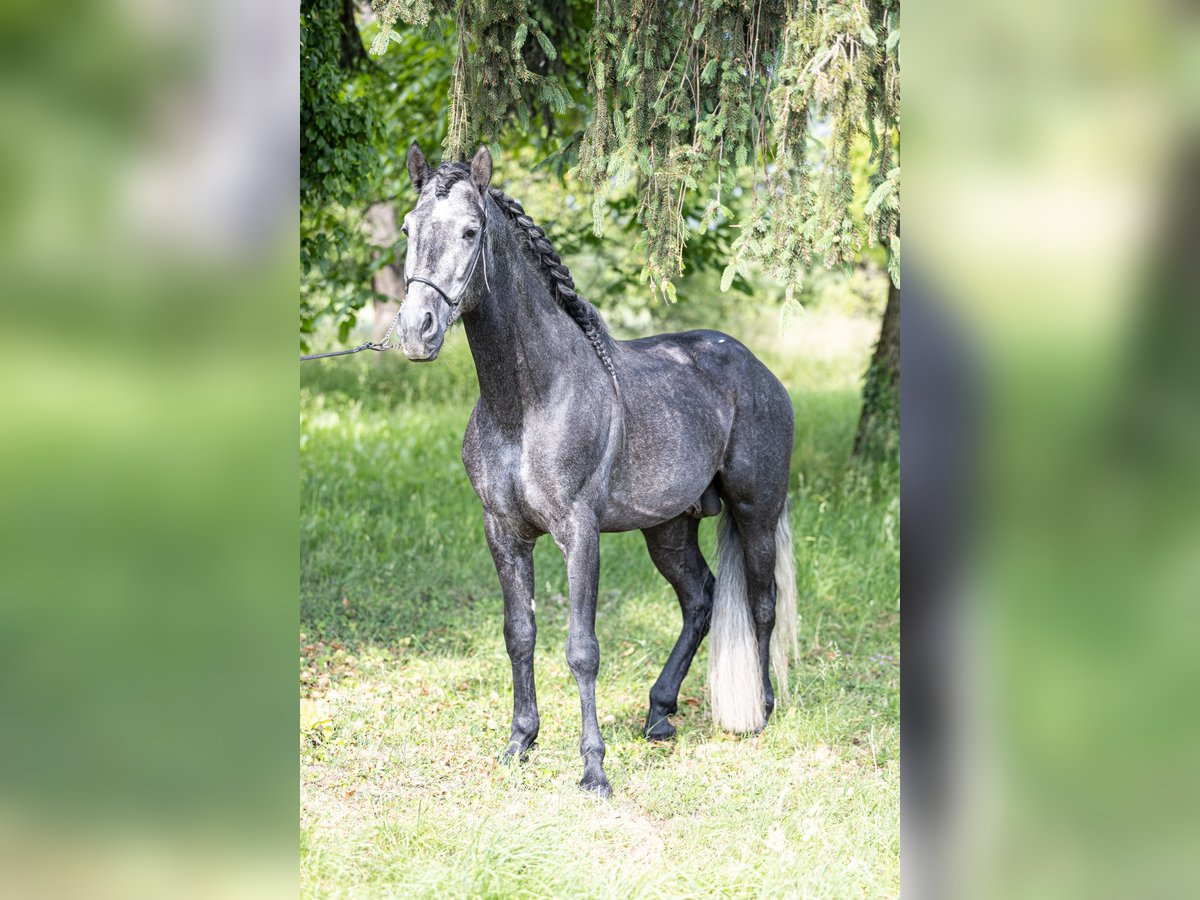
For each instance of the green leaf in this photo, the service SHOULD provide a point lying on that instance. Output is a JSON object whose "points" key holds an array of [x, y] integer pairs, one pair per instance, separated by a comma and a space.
{"points": [[698, 30], [878, 195], [599, 207], [519, 37], [547, 47], [382, 39], [893, 39], [868, 36], [893, 263], [728, 275], [790, 310]]}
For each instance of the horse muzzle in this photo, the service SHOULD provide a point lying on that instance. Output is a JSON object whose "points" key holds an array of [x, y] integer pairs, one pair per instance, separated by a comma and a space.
{"points": [[421, 335]]}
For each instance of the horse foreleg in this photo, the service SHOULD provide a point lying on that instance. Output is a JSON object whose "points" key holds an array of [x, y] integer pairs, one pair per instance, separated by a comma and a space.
{"points": [[513, 556], [579, 541]]}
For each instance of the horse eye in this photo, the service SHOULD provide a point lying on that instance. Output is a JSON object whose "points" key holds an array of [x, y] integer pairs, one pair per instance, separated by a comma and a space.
{"points": [[470, 233], [404, 229]]}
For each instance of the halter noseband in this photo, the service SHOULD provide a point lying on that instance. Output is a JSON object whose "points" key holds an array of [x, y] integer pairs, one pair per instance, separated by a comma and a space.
{"points": [[453, 304]]}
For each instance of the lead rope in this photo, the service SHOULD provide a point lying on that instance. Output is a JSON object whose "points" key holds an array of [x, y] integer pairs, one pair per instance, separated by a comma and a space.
{"points": [[455, 305], [369, 345]]}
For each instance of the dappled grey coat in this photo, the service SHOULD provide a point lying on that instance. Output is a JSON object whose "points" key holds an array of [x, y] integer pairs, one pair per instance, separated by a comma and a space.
{"points": [[576, 433]]}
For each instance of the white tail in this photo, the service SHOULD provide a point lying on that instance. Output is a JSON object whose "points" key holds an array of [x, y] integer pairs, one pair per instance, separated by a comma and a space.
{"points": [[785, 640], [734, 679]]}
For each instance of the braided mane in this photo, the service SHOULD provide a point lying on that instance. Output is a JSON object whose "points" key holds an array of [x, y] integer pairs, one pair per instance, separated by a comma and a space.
{"points": [[558, 277]]}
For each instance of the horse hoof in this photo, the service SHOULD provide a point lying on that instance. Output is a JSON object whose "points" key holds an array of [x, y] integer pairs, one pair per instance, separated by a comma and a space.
{"points": [[766, 721], [514, 752], [596, 784], [662, 730]]}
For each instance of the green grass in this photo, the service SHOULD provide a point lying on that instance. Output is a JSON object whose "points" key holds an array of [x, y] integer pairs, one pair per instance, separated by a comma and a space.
{"points": [[405, 681]]}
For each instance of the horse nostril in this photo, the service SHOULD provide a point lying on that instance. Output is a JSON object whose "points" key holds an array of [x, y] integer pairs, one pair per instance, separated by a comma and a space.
{"points": [[427, 325]]}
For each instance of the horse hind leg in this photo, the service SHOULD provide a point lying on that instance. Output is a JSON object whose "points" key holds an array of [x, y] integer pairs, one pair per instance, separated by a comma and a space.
{"points": [[758, 547], [675, 552], [754, 551]]}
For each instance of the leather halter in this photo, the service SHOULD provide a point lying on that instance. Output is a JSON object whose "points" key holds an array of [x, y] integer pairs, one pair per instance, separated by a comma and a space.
{"points": [[453, 303]]}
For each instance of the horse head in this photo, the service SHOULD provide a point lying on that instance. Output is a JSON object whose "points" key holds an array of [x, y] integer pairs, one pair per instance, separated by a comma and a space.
{"points": [[447, 234]]}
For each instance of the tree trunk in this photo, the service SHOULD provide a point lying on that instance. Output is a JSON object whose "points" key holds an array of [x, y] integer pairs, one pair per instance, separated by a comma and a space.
{"points": [[878, 436], [354, 53]]}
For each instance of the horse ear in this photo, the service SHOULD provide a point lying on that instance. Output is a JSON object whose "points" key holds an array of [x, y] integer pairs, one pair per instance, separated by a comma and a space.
{"points": [[481, 169], [418, 169]]}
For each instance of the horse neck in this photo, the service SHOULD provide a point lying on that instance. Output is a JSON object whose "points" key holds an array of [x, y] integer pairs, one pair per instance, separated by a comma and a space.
{"points": [[523, 344]]}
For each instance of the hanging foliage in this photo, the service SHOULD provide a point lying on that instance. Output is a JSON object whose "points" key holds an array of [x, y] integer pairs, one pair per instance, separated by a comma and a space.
{"points": [[338, 134], [506, 65], [686, 99], [352, 119]]}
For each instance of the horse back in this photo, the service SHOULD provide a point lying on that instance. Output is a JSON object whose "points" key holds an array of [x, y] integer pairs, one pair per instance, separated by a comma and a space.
{"points": [[683, 396]]}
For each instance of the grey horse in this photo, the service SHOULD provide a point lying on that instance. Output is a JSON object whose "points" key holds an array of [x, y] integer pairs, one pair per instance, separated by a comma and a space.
{"points": [[576, 433]]}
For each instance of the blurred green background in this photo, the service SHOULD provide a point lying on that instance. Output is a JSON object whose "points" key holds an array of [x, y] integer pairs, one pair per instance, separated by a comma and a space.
{"points": [[1052, 187], [148, 461]]}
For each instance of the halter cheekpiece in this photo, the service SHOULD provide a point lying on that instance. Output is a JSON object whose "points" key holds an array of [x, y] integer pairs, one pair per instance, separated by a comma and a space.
{"points": [[453, 303]]}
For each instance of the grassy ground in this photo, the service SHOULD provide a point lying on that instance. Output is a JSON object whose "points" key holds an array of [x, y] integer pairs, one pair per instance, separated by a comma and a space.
{"points": [[405, 692]]}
